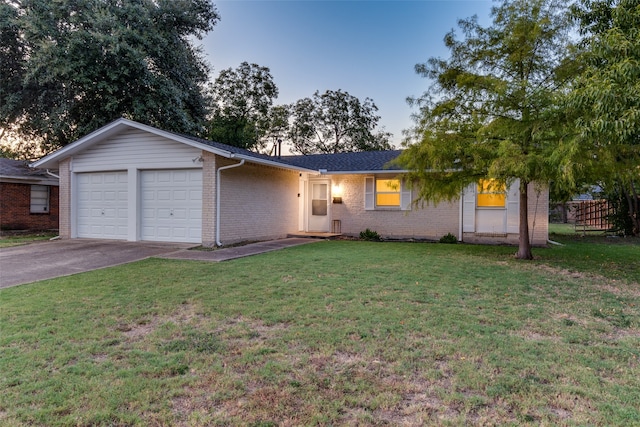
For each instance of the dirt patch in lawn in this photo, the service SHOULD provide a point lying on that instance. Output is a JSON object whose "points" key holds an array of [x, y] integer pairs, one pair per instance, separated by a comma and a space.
{"points": [[287, 387], [186, 313]]}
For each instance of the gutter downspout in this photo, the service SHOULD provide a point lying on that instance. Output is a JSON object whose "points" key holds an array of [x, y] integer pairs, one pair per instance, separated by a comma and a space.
{"points": [[218, 175], [58, 178], [52, 174], [461, 216]]}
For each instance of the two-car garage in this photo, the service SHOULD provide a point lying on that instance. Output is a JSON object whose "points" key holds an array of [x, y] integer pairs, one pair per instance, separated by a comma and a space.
{"points": [[168, 207], [134, 182]]}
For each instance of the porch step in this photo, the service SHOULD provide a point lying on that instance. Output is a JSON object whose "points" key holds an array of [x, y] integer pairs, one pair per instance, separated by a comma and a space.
{"points": [[318, 235]]}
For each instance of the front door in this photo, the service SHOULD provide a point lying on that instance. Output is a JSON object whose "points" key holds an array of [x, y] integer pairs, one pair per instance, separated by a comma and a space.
{"points": [[319, 220]]}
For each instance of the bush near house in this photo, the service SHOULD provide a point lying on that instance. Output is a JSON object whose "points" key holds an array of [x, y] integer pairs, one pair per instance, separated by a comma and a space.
{"points": [[448, 238], [370, 235]]}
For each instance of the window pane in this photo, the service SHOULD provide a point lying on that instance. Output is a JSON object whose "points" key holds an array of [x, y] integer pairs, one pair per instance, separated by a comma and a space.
{"points": [[319, 207], [39, 199], [491, 194], [491, 200], [491, 186], [388, 199], [388, 185], [319, 191], [387, 192]]}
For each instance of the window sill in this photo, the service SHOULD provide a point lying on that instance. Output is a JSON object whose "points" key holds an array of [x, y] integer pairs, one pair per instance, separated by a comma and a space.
{"points": [[387, 208]]}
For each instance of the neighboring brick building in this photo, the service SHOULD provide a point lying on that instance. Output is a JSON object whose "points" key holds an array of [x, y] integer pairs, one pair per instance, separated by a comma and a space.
{"points": [[28, 197]]}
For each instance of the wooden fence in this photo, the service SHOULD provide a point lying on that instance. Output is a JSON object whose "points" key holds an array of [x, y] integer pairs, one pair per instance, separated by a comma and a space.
{"points": [[592, 215]]}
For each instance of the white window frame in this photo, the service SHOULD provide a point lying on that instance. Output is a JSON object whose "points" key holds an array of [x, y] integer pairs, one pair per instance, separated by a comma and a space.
{"points": [[481, 190], [40, 196], [370, 193]]}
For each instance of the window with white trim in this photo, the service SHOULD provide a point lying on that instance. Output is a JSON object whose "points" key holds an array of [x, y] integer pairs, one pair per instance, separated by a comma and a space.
{"points": [[491, 194], [39, 199], [386, 193]]}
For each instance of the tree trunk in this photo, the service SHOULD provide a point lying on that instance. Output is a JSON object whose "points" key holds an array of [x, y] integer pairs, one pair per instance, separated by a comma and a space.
{"points": [[633, 200], [524, 245]]}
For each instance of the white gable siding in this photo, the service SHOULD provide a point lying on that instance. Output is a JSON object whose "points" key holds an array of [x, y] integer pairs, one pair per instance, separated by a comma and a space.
{"points": [[136, 149]]}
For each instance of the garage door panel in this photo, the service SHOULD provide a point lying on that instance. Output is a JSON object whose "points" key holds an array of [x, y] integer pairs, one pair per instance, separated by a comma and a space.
{"points": [[179, 214], [195, 213], [179, 232], [163, 232], [102, 205], [172, 205]]}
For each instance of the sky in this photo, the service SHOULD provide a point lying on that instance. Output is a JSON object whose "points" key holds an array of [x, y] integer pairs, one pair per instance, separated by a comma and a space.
{"points": [[367, 48]]}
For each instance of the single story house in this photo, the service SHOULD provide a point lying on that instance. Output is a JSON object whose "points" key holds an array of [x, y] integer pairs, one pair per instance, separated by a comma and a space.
{"points": [[28, 197], [131, 181]]}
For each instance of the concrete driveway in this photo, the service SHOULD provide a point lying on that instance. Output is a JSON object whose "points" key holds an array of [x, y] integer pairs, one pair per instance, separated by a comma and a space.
{"points": [[49, 259]]}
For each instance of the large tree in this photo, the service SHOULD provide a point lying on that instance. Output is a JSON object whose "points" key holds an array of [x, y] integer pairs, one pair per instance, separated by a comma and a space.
{"points": [[242, 102], [606, 98], [70, 66], [489, 112], [335, 122]]}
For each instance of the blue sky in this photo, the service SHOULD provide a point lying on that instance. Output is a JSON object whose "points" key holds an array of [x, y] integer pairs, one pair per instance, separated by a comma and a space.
{"points": [[367, 48]]}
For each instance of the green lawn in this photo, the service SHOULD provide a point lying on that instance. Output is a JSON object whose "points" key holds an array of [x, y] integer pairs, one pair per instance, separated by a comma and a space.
{"points": [[333, 333], [23, 238]]}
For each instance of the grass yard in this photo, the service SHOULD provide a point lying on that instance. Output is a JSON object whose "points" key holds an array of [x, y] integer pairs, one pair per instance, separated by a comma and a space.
{"points": [[16, 239], [333, 333]]}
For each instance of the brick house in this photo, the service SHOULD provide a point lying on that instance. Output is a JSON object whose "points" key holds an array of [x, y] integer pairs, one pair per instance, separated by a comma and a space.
{"points": [[131, 181], [28, 197]]}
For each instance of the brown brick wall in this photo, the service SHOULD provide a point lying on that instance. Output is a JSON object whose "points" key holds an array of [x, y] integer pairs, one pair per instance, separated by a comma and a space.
{"points": [[15, 208]]}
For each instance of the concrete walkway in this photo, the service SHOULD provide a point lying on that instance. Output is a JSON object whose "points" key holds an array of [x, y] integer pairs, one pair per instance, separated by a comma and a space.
{"points": [[50, 259], [226, 254]]}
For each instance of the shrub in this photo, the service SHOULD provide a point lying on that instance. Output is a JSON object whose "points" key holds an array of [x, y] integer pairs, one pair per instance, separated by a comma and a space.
{"points": [[370, 235], [448, 238]]}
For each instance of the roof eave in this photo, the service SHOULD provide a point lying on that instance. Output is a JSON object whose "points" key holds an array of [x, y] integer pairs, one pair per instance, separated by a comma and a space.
{"points": [[28, 180], [365, 172], [273, 163], [52, 160], [113, 128]]}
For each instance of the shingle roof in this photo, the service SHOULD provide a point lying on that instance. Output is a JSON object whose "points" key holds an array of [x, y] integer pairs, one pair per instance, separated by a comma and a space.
{"points": [[19, 169], [363, 161], [360, 162], [230, 148]]}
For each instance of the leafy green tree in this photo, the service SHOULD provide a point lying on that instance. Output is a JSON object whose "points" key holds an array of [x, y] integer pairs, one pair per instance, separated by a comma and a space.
{"points": [[71, 66], [242, 101], [277, 126], [606, 98], [336, 122], [491, 111], [12, 66]]}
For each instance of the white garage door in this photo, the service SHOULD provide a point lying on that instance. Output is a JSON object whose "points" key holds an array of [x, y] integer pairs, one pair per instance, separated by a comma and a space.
{"points": [[171, 205], [102, 205]]}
